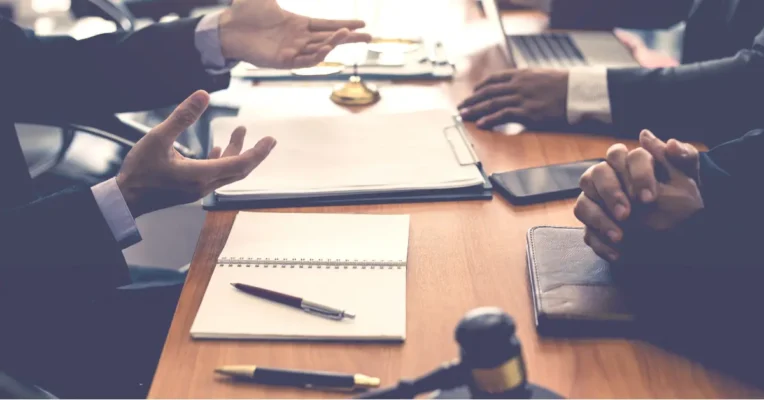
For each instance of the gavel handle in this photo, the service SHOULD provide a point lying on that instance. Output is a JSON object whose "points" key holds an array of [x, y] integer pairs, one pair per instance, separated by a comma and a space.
{"points": [[446, 377]]}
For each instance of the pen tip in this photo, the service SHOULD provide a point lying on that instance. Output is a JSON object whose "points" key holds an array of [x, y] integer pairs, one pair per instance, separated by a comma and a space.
{"points": [[233, 284], [236, 371], [349, 315]]}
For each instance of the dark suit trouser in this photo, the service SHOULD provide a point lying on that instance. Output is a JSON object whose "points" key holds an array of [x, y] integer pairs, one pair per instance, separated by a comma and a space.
{"points": [[108, 348]]}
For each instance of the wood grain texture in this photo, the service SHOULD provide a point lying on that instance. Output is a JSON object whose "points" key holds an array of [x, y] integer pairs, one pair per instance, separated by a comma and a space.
{"points": [[461, 256]]}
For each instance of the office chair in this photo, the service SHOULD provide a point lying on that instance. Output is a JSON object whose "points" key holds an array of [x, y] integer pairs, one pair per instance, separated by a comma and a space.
{"points": [[123, 132], [11, 388], [152, 9]]}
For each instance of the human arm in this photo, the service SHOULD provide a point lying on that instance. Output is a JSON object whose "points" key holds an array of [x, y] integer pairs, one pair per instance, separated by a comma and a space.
{"points": [[705, 212], [69, 232], [59, 77], [64, 78], [692, 276], [689, 99], [59, 241], [685, 101]]}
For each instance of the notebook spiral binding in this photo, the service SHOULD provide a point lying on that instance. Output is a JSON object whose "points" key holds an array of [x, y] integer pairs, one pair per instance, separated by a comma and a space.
{"points": [[310, 263]]}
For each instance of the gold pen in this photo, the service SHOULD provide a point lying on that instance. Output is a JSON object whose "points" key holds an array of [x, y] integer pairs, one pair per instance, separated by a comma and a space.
{"points": [[295, 378]]}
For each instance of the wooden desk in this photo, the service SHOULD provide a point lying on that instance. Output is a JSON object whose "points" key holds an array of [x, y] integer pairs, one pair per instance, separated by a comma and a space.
{"points": [[461, 256]]}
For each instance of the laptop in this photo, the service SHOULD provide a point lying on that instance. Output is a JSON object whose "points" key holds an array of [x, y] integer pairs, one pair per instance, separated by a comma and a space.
{"points": [[560, 50]]}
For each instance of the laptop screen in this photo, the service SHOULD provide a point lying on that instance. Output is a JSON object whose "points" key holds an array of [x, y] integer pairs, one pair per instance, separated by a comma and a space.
{"points": [[492, 13]]}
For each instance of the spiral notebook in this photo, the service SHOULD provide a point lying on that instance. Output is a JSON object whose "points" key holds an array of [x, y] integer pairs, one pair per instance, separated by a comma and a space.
{"points": [[346, 261]]}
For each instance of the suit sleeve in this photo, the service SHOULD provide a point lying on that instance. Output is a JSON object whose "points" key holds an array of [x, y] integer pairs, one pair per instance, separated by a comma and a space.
{"points": [[60, 77], [59, 268], [606, 15], [699, 101], [697, 290], [60, 242], [729, 228]]}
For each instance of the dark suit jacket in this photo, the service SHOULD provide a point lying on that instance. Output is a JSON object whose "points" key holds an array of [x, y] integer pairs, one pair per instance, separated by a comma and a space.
{"points": [[698, 287], [718, 89], [57, 254]]}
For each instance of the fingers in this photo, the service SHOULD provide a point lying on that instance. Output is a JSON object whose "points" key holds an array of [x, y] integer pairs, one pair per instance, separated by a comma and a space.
{"points": [[236, 142], [616, 157], [214, 153], [600, 246], [503, 76], [182, 117], [310, 60], [596, 219], [349, 37], [237, 166], [630, 40], [509, 114], [323, 39], [602, 185], [485, 93], [684, 157], [490, 106], [641, 172], [318, 24], [657, 148], [358, 37]]}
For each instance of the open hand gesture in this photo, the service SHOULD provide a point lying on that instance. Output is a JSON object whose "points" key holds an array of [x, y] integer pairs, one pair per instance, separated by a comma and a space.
{"points": [[155, 176], [262, 33]]}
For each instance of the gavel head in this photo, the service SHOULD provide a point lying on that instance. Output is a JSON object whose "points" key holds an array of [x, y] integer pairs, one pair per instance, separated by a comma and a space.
{"points": [[491, 354]]}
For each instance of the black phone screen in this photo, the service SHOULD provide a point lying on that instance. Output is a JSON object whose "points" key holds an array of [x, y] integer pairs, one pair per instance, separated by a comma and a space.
{"points": [[542, 183]]}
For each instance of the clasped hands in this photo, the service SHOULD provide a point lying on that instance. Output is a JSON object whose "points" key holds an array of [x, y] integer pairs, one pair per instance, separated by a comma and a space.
{"points": [[654, 188]]}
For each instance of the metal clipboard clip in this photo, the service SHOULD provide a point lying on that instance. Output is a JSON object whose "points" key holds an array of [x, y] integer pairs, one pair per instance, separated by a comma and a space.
{"points": [[456, 135]]}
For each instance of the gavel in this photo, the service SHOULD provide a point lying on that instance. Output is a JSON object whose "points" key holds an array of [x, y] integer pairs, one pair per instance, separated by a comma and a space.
{"points": [[490, 365]]}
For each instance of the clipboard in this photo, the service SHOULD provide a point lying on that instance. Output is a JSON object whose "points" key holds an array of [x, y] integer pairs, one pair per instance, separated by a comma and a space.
{"points": [[463, 151]]}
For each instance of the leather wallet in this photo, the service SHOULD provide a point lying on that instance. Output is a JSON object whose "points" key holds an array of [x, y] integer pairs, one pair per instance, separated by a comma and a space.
{"points": [[572, 288]]}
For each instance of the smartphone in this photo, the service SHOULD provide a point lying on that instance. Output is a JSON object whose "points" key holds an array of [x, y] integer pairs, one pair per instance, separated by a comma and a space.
{"points": [[535, 185]]}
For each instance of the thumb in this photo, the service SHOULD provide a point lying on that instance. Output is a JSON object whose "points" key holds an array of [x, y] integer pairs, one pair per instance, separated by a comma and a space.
{"points": [[182, 117], [630, 40], [657, 149], [684, 157]]}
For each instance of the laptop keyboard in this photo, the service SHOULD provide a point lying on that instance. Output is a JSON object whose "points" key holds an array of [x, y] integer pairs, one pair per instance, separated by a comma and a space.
{"points": [[549, 50]]}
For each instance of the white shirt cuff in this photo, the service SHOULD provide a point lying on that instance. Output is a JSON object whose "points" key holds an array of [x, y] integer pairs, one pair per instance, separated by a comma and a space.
{"points": [[114, 209], [588, 96], [207, 41]]}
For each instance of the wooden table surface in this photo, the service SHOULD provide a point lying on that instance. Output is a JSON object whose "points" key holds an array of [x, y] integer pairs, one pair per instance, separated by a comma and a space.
{"points": [[462, 255]]}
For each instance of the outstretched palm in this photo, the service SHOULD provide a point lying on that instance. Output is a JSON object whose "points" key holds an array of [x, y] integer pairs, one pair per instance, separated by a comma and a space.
{"points": [[262, 33]]}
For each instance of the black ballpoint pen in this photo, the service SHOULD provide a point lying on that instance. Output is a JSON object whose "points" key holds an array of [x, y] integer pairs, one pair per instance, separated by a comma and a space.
{"points": [[294, 378], [296, 302]]}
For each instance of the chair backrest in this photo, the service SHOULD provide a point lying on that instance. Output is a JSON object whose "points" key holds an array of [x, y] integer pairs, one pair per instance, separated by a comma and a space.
{"points": [[113, 10], [11, 388]]}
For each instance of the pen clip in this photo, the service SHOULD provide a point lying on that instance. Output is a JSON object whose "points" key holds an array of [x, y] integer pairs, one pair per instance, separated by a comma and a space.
{"points": [[322, 311]]}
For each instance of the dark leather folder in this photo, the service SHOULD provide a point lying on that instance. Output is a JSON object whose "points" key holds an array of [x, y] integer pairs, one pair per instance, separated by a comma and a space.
{"points": [[572, 288]]}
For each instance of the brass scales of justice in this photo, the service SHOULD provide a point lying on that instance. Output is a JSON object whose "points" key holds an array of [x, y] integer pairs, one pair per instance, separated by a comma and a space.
{"points": [[354, 92]]}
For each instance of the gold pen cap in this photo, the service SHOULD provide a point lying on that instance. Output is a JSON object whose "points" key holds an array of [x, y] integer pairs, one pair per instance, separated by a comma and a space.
{"points": [[365, 382], [237, 371]]}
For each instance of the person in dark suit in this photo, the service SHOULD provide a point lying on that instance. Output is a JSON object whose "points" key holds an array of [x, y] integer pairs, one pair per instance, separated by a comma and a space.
{"points": [[71, 322], [682, 231], [705, 98]]}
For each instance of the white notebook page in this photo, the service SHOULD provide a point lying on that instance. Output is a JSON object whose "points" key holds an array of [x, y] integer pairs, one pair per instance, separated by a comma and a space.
{"points": [[318, 236], [376, 295], [351, 154]]}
